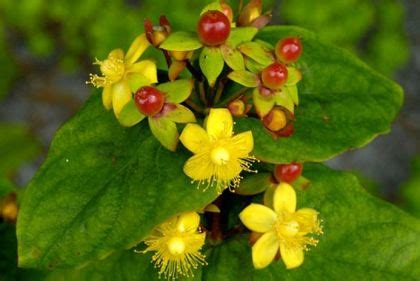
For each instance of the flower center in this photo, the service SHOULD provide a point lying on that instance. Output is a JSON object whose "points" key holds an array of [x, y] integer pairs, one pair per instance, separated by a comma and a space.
{"points": [[113, 69], [290, 228], [176, 246], [220, 156]]}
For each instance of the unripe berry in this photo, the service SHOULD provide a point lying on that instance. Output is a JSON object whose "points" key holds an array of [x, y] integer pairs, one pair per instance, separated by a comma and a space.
{"points": [[213, 28], [274, 76], [288, 172], [149, 100], [288, 50], [275, 120]]}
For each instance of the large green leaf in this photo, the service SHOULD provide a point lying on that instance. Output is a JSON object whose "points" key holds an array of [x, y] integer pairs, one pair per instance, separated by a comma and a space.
{"points": [[102, 188], [344, 104], [364, 238]]}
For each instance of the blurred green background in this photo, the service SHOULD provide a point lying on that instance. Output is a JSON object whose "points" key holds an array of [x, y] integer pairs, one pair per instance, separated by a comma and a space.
{"points": [[47, 49]]}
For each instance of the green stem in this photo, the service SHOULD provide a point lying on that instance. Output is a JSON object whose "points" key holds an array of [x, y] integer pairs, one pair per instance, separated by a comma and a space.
{"points": [[235, 96], [219, 91], [202, 92], [194, 106]]}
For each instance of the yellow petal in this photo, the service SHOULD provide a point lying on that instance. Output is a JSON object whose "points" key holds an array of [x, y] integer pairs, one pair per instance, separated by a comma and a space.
{"points": [[136, 49], [284, 198], [146, 68], [258, 218], [194, 242], [188, 222], [219, 123], [199, 167], [121, 95], [243, 143], [194, 138], [107, 97], [291, 256], [265, 249], [116, 54]]}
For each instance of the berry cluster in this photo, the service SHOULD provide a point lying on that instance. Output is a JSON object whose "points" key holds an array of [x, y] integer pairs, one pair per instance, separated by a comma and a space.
{"points": [[227, 72]]}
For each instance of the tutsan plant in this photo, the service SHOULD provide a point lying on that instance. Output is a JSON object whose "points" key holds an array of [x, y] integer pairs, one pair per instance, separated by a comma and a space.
{"points": [[216, 185]]}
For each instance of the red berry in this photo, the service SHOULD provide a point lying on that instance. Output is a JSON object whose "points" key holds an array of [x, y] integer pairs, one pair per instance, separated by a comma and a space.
{"points": [[227, 10], [288, 172], [274, 76], [213, 28], [149, 100], [289, 49]]}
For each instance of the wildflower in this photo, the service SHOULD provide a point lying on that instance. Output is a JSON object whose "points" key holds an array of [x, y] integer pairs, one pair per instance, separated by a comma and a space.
{"points": [[283, 229], [219, 157], [122, 74], [177, 244]]}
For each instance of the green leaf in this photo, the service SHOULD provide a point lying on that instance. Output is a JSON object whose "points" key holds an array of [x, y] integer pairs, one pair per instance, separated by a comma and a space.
{"points": [[214, 6], [98, 190], [343, 104], [254, 184], [263, 105], [180, 114], [136, 81], [282, 98], [181, 41], [211, 63], [245, 78], [241, 35], [17, 146], [165, 131], [257, 52], [130, 115], [364, 238], [176, 91], [233, 58]]}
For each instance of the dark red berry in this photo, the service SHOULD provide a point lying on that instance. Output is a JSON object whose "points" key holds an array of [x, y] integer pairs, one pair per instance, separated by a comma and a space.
{"points": [[213, 28], [288, 172], [289, 49], [149, 100], [274, 76]]}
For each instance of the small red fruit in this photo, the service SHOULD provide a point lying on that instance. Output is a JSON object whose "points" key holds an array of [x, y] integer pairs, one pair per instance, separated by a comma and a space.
{"points": [[213, 28], [289, 49], [288, 172], [274, 76], [149, 100]]}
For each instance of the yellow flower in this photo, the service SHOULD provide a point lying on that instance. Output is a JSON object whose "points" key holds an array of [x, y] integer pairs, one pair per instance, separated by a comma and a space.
{"points": [[122, 74], [177, 244], [219, 157], [284, 229]]}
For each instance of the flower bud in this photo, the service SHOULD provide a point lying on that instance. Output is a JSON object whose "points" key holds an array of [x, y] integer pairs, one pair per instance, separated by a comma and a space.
{"points": [[250, 12], [239, 107], [157, 34], [9, 208]]}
